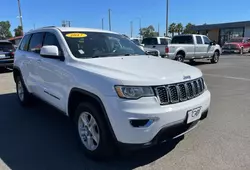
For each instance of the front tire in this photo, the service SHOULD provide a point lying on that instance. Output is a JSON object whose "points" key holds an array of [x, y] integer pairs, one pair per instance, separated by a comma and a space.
{"points": [[22, 92], [93, 134], [215, 58]]}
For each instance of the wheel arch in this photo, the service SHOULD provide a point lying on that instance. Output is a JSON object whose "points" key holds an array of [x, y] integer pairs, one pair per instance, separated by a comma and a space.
{"points": [[81, 95]]}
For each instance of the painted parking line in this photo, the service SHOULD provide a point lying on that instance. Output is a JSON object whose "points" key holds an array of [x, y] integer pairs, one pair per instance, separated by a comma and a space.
{"points": [[227, 77], [3, 166]]}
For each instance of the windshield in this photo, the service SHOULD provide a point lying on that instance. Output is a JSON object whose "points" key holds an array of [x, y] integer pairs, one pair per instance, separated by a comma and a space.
{"points": [[99, 44], [236, 40], [6, 47]]}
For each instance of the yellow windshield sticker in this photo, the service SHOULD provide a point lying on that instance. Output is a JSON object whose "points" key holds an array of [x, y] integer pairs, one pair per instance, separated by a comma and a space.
{"points": [[76, 35]]}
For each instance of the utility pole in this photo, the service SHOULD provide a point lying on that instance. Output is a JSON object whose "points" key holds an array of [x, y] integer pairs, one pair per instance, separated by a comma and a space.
{"points": [[20, 15], [158, 29], [131, 29], [167, 18], [140, 26], [109, 19], [102, 23]]}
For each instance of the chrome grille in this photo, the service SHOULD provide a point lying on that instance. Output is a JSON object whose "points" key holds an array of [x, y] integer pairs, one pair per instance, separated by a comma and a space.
{"points": [[176, 93]]}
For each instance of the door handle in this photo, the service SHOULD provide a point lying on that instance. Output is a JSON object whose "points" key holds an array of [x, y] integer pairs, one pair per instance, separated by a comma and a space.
{"points": [[154, 46]]}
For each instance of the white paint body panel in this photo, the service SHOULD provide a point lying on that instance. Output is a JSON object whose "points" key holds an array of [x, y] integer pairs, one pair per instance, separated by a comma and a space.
{"points": [[46, 78]]}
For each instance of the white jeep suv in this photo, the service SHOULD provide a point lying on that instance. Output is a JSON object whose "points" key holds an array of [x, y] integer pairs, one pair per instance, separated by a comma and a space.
{"points": [[116, 95]]}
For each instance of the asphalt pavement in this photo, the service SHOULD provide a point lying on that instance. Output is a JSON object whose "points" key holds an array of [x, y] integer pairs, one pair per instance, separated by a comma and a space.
{"points": [[41, 138]]}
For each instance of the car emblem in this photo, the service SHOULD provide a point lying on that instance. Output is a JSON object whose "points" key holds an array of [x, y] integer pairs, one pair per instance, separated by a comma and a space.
{"points": [[186, 77]]}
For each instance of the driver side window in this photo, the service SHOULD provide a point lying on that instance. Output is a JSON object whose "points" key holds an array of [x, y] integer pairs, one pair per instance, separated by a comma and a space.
{"points": [[206, 40]]}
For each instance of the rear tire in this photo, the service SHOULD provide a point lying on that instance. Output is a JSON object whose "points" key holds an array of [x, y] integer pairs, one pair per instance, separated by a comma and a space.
{"points": [[22, 92], [215, 58], [94, 138], [180, 57]]}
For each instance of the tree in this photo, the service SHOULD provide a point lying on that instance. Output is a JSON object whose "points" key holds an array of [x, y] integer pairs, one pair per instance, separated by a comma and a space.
{"points": [[5, 30], [172, 29], [179, 28], [148, 32], [188, 29], [18, 31]]}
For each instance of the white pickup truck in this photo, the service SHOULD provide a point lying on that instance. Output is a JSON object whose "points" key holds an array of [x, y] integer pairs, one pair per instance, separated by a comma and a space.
{"points": [[191, 47], [158, 43]]}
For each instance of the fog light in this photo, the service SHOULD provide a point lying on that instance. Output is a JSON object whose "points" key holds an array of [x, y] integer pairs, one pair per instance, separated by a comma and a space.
{"points": [[141, 123]]}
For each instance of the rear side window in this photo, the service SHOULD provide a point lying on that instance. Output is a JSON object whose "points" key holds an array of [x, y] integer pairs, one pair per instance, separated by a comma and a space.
{"points": [[199, 40], [182, 40], [36, 42], [25, 43], [150, 41], [164, 41]]}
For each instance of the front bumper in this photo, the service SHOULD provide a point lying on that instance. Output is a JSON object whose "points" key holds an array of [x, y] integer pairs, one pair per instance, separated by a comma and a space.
{"points": [[231, 51], [120, 112], [6, 62]]}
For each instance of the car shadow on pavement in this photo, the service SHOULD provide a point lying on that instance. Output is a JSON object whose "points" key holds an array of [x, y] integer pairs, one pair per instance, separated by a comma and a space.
{"points": [[5, 70], [40, 137]]}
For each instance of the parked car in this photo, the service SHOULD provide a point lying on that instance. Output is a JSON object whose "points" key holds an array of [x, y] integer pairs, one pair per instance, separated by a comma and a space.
{"points": [[150, 51], [237, 45], [192, 47], [115, 94], [6, 53], [158, 43]]}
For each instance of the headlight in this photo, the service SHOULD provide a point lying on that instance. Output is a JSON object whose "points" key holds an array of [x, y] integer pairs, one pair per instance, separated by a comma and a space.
{"points": [[205, 85], [133, 92]]}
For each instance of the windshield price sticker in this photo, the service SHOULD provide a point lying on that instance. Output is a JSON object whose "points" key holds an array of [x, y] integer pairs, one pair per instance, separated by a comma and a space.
{"points": [[76, 35]]}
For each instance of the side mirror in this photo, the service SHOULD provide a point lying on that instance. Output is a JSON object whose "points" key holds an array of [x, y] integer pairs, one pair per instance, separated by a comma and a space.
{"points": [[212, 43], [142, 45], [51, 51]]}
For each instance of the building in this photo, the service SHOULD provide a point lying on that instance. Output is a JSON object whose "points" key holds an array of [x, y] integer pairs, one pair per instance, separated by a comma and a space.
{"points": [[223, 32]]}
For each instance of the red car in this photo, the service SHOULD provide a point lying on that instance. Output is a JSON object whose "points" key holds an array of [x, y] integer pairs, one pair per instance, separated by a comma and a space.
{"points": [[237, 45]]}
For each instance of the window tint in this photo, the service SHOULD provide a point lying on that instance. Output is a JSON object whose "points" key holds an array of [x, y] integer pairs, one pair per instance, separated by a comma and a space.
{"points": [[50, 39], [199, 40], [164, 41], [206, 40], [6, 47], [150, 41], [36, 42], [182, 40], [25, 43]]}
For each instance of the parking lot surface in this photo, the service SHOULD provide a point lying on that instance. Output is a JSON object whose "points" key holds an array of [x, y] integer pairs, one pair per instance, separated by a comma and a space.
{"points": [[42, 138]]}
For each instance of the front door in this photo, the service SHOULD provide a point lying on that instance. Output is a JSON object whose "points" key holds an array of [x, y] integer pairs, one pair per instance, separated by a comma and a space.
{"points": [[200, 48], [54, 77]]}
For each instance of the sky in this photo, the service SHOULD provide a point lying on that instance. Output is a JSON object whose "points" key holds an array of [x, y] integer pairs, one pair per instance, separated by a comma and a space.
{"points": [[89, 13]]}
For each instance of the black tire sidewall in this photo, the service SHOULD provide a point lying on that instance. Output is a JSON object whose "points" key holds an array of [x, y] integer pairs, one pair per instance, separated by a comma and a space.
{"points": [[26, 95], [105, 148], [213, 59], [181, 57]]}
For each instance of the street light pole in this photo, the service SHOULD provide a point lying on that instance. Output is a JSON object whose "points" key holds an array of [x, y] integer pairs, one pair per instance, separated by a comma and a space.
{"points": [[158, 29], [131, 29], [109, 19], [167, 18], [102, 23], [20, 15]]}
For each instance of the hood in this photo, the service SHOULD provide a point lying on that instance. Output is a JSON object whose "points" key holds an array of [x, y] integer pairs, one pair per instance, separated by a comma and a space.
{"points": [[234, 43], [140, 70]]}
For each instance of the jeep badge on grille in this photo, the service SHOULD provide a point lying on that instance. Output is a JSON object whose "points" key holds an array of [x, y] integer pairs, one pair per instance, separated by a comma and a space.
{"points": [[186, 77]]}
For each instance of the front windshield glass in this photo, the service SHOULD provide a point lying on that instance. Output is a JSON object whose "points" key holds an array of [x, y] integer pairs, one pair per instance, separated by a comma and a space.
{"points": [[236, 40], [99, 44]]}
